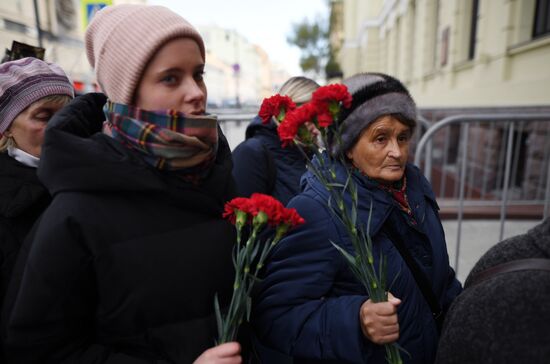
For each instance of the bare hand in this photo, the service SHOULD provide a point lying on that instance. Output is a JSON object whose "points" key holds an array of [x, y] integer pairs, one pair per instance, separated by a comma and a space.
{"points": [[228, 353], [379, 320]]}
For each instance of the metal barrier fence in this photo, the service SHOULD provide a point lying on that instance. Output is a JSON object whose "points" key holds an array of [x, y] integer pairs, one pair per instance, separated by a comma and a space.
{"points": [[234, 123], [478, 162], [493, 161], [235, 117]]}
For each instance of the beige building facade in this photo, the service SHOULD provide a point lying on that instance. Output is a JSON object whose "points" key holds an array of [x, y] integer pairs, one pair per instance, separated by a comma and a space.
{"points": [[236, 68], [62, 28], [452, 53], [464, 57]]}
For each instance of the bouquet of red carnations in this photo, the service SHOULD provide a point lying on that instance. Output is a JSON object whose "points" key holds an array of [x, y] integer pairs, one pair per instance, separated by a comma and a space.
{"points": [[251, 216]]}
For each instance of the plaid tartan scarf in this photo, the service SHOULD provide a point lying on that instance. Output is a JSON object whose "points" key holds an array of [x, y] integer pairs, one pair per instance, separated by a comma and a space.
{"points": [[167, 140]]}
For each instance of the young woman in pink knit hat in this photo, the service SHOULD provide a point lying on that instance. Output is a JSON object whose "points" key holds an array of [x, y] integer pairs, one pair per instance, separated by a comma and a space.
{"points": [[31, 91], [125, 263]]}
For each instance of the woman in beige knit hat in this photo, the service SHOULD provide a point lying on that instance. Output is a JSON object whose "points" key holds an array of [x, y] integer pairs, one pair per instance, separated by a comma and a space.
{"points": [[126, 262]]}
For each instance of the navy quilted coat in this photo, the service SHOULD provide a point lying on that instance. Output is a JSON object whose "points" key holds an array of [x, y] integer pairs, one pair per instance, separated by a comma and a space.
{"points": [[308, 304]]}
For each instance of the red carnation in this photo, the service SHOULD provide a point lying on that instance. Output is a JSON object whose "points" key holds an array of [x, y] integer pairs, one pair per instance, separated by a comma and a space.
{"points": [[293, 121], [292, 218], [328, 100], [287, 132], [236, 204], [276, 106], [332, 93], [272, 207], [324, 119]]}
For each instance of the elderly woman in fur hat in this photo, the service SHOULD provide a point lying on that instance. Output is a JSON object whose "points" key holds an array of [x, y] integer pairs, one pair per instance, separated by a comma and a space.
{"points": [[310, 305]]}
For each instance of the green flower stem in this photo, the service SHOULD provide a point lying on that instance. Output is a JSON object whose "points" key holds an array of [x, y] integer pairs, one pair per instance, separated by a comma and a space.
{"points": [[392, 354], [245, 276]]}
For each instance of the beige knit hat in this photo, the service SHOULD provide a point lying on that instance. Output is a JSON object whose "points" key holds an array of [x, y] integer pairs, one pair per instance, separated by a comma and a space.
{"points": [[121, 39]]}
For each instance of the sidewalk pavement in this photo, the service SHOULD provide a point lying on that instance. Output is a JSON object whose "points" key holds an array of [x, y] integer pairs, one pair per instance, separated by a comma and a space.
{"points": [[477, 237]]}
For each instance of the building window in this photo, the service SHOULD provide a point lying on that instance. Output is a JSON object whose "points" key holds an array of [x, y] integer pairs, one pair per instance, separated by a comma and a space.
{"points": [[473, 29], [542, 18]]}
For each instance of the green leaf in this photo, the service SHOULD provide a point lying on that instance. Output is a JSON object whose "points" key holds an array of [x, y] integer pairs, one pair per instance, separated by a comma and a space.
{"points": [[348, 256], [369, 220], [219, 320], [354, 215], [382, 271], [389, 289], [248, 308], [254, 252]]}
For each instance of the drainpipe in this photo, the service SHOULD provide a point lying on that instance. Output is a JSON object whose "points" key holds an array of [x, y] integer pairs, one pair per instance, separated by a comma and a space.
{"points": [[37, 20]]}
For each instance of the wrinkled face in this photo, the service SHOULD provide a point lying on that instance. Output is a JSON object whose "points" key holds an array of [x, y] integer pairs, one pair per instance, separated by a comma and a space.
{"points": [[27, 129], [174, 79], [382, 150]]}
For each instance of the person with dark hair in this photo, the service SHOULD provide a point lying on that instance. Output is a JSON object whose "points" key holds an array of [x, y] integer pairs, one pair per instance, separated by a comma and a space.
{"points": [[31, 92], [502, 315], [260, 163], [125, 263], [309, 304]]}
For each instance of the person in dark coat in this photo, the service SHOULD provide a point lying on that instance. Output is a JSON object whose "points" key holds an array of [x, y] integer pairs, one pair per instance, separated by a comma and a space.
{"points": [[309, 303], [503, 318], [127, 259], [260, 163], [31, 91]]}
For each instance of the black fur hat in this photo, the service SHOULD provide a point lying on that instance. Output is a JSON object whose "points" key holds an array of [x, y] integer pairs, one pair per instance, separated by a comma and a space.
{"points": [[374, 95]]}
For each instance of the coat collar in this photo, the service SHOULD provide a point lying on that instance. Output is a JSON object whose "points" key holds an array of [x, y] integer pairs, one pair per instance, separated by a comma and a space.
{"points": [[368, 192]]}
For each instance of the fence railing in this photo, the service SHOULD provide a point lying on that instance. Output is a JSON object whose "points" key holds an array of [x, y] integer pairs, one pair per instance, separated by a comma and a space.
{"points": [[234, 123], [489, 161], [480, 165]]}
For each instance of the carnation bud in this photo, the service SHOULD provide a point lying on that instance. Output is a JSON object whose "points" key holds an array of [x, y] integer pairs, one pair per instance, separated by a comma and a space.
{"points": [[260, 219], [280, 232], [240, 218], [281, 116], [370, 258], [334, 108], [341, 205]]}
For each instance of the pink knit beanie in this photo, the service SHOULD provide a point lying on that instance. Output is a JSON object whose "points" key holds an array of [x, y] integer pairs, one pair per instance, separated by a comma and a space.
{"points": [[25, 81], [121, 39]]}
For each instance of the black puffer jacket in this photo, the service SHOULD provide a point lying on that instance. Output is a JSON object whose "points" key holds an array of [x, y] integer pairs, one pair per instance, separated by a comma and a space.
{"points": [[126, 261], [262, 165], [22, 199]]}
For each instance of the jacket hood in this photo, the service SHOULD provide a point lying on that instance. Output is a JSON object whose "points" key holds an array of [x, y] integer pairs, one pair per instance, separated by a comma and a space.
{"points": [[269, 135], [257, 125], [76, 156], [19, 187]]}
